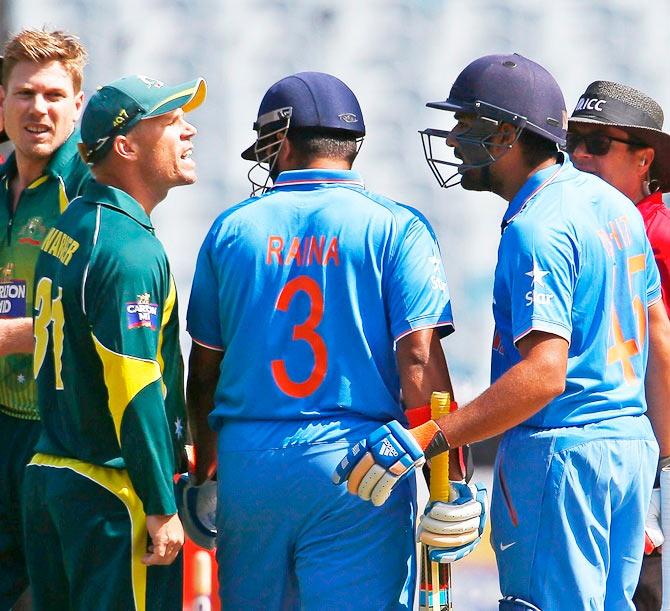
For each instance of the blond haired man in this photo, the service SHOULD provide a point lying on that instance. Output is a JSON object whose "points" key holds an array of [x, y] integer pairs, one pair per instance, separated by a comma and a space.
{"points": [[40, 100]]}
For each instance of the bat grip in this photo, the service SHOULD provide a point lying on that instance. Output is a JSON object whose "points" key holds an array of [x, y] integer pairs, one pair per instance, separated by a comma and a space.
{"points": [[440, 489]]}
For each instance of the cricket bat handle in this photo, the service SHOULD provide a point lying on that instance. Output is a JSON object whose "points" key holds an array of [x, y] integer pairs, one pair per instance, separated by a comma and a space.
{"points": [[440, 489], [440, 403], [202, 581]]}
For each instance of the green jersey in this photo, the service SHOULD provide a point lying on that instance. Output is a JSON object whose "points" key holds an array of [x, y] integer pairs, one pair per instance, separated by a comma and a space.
{"points": [[38, 209], [107, 359]]}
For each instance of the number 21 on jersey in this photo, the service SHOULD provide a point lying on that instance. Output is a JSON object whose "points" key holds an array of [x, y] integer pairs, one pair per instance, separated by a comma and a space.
{"points": [[49, 311], [307, 332]]}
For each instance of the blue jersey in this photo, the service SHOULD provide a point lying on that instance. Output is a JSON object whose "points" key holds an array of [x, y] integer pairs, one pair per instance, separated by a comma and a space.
{"points": [[306, 289], [574, 261]]}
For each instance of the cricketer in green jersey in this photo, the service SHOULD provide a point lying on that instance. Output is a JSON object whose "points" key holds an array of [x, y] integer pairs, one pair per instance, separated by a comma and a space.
{"points": [[41, 100], [99, 505]]}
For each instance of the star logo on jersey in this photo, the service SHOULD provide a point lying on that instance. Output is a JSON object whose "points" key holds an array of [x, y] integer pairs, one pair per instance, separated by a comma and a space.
{"points": [[178, 428], [537, 275], [437, 281], [21, 379], [436, 262]]}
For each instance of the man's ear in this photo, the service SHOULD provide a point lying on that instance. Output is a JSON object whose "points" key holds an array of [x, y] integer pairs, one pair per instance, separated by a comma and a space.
{"points": [[506, 134], [78, 105], [124, 147], [645, 157], [285, 155]]}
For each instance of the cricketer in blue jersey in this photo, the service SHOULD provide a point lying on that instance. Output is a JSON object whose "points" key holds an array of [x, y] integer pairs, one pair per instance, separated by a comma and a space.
{"points": [[579, 331], [313, 305]]}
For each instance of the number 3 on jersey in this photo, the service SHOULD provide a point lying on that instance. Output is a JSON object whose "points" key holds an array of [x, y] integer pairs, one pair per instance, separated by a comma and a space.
{"points": [[48, 311], [306, 331]]}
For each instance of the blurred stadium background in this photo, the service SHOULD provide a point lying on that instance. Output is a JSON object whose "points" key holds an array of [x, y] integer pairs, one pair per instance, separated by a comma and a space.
{"points": [[396, 55]]}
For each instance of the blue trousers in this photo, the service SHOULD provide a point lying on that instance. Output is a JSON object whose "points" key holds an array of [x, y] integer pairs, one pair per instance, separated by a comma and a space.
{"points": [[568, 510], [290, 539]]}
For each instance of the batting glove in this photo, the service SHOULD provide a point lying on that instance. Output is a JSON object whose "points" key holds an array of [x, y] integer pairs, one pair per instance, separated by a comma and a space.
{"points": [[452, 530], [653, 535], [197, 510], [373, 466]]}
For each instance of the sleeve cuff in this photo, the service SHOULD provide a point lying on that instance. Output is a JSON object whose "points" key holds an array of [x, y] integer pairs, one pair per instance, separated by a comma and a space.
{"points": [[546, 327], [206, 345], [446, 327]]}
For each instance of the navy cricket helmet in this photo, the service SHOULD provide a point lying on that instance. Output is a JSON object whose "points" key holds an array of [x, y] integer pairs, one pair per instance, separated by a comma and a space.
{"points": [[303, 100], [500, 89]]}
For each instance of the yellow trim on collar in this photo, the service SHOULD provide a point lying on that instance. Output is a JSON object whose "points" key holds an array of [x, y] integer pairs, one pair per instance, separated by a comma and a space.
{"points": [[36, 183]]}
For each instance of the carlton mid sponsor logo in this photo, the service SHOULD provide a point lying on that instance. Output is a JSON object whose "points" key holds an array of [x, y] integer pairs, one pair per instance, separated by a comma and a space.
{"points": [[590, 104], [13, 299], [142, 313], [12, 291]]}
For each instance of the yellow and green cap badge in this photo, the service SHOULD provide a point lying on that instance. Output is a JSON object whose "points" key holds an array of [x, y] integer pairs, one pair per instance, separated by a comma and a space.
{"points": [[115, 108]]}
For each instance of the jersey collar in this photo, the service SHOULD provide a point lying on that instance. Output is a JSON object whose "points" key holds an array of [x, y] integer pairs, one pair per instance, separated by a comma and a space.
{"points": [[314, 178], [57, 164], [63, 156], [533, 186], [112, 197]]}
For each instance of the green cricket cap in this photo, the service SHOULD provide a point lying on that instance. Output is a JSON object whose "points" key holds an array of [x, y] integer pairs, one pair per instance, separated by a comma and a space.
{"points": [[116, 108]]}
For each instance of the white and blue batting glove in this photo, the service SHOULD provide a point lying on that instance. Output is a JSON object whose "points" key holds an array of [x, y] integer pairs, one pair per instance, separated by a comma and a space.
{"points": [[653, 531], [197, 510], [452, 530], [373, 466]]}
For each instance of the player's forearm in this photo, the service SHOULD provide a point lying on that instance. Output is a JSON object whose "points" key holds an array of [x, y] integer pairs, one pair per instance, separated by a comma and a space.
{"points": [[422, 367], [16, 336], [203, 377], [200, 403], [516, 396], [657, 381]]}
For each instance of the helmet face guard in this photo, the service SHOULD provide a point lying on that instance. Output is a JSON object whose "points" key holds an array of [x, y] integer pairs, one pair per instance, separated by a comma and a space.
{"points": [[272, 128], [475, 143]]}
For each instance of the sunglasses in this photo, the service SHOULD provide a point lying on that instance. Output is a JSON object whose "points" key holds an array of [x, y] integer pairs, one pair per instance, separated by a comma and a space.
{"points": [[595, 144]]}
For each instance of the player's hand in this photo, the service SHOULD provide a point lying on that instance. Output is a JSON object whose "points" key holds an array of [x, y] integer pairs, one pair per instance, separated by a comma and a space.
{"points": [[452, 530], [167, 538], [196, 506], [373, 466], [653, 535]]}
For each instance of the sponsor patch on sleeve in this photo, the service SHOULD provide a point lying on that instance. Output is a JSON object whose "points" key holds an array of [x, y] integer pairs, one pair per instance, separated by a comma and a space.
{"points": [[12, 299], [142, 313]]}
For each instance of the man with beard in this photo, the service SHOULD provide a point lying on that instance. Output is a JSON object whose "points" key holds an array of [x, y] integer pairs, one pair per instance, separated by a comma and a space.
{"points": [[579, 323]]}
